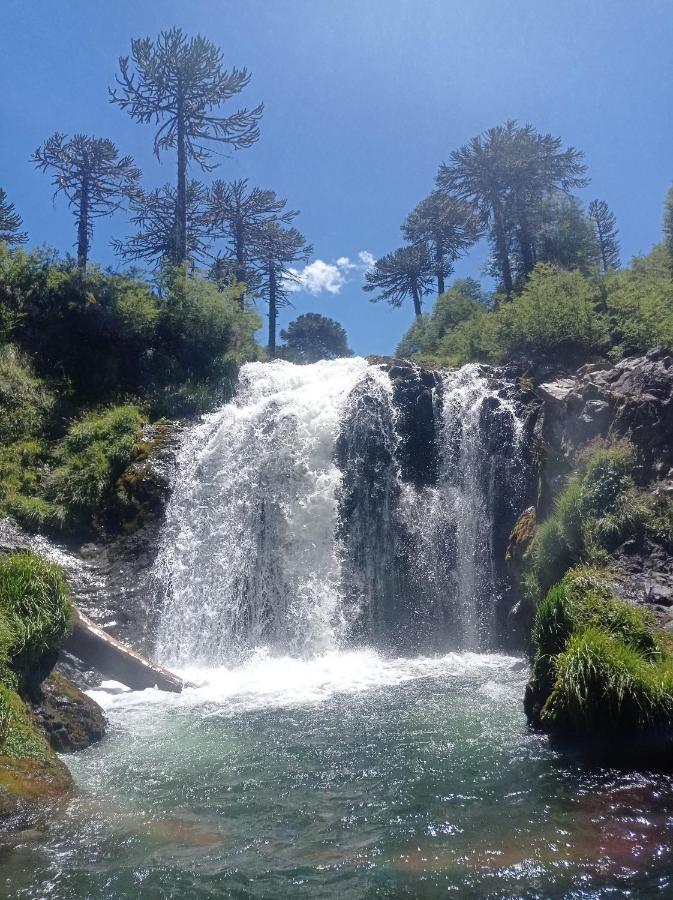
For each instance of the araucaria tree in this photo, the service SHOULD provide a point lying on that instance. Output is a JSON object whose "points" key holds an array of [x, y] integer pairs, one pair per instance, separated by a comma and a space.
{"points": [[93, 177], [407, 272], [10, 223], [279, 250], [607, 236], [507, 173], [239, 214], [153, 214], [178, 84], [446, 224]]}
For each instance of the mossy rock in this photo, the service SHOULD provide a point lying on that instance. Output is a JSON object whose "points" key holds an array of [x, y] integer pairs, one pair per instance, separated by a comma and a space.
{"points": [[69, 719], [30, 772]]}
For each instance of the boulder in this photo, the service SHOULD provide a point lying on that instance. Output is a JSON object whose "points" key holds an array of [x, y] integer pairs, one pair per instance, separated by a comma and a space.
{"points": [[66, 716]]}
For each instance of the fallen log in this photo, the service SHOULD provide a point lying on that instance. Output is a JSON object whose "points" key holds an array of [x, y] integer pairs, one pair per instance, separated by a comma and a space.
{"points": [[98, 649]]}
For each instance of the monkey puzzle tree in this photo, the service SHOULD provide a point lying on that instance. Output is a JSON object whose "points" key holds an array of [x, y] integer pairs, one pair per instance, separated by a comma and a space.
{"points": [[153, 214], [607, 237], [506, 173], [407, 272], [239, 214], [10, 222], [278, 250], [448, 225], [95, 180], [179, 82]]}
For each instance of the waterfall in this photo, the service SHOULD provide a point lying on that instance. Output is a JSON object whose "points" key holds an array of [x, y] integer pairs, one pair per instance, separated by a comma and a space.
{"points": [[341, 502]]}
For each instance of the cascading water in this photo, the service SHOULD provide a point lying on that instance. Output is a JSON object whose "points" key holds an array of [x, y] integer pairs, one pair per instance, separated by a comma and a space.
{"points": [[339, 501]]}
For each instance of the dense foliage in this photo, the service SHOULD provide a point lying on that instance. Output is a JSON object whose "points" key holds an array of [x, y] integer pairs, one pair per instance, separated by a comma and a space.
{"points": [[559, 316], [312, 337]]}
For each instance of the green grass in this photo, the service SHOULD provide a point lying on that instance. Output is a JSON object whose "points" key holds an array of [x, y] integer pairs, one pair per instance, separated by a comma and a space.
{"points": [[599, 668], [605, 688], [599, 508], [35, 602], [25, 402]]}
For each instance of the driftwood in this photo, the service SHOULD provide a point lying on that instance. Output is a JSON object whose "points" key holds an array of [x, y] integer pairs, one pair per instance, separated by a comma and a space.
{"points": [[98, 649]]}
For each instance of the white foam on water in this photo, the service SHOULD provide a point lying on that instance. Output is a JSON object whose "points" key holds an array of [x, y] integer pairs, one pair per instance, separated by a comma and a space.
{"points": [[267, 681]]}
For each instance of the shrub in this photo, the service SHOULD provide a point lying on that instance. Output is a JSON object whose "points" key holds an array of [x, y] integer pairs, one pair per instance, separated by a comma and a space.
{"points": [[25, 402], [35, 601], [90, 458], [461, 302], [598, 509], [604, 687], [640, 304]]}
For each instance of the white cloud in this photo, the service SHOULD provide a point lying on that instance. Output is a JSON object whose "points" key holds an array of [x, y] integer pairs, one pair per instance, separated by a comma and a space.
{"points": [[320, 277], [367, 259]]}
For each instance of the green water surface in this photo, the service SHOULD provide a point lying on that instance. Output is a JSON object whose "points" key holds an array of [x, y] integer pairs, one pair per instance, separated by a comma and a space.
{"points": [[360, 778]]}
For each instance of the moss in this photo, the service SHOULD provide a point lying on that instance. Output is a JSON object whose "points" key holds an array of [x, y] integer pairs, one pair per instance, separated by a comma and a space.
{"points": [[30, 772], [35, 600]]}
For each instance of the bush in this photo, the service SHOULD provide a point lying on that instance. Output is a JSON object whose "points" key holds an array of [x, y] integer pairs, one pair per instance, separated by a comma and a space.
{"points": [[640, 304], [605, 688], [596, 511], [462, 302], [110, 337], [25, 402], [90, 458], [35, 602]]}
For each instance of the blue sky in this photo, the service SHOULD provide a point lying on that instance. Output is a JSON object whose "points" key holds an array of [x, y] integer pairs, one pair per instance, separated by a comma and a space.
{"points": [[363, 99]]}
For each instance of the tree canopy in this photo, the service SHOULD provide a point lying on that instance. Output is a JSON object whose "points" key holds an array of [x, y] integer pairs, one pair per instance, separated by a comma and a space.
{"points": [[180, 83], [92, 176], [407, 272], [312, 337]]}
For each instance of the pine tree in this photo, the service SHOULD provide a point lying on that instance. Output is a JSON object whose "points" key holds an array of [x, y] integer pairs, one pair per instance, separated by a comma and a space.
{"points": [[506, 173], [153, 214], [311, 337], [92, 176], [10, 223], [179, 82], [239, 215], [607, 237], [278, 250]]}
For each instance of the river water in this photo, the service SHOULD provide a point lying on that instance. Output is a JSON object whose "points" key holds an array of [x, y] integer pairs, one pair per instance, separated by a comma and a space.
{"points": [[346, 776]]}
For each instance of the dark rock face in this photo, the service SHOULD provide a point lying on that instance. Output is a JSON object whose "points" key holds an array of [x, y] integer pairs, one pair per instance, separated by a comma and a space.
{"points": [[67, 717], [435, 472]]}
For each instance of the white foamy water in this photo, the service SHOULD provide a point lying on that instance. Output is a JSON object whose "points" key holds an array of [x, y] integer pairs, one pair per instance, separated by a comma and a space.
{"points": [[249, 553], [266, 681]]}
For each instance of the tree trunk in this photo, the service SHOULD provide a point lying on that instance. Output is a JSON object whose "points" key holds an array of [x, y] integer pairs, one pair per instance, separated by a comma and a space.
{"points": [[240, 262], [83, 226], [501, 248], [417, 300], [439, 262], [181, 198], [273, 311]]}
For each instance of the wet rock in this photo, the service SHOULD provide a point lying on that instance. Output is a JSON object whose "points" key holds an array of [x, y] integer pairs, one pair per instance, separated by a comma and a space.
{"points": [[66, 716]]}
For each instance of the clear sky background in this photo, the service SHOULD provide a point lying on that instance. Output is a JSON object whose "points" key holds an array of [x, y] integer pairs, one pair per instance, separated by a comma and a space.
{"points": [[363, 99]]}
